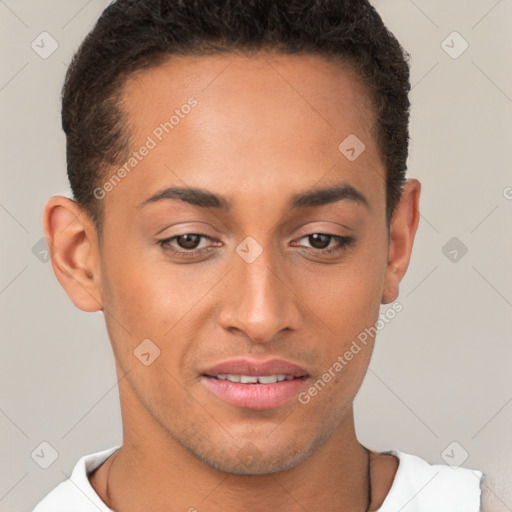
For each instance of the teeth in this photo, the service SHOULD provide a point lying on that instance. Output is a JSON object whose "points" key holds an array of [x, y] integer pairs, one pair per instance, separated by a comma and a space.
{"points": [[268, 379], [246, 379], [253, 379]]}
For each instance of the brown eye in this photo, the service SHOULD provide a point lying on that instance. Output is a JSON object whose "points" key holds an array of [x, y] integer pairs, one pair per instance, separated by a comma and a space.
{"points": [[188, 241], [184, 245], [319, 240]]}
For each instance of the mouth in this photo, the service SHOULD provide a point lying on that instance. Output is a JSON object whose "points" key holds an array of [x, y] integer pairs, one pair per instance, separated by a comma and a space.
{"points": [[254, 384], [253, 379]]}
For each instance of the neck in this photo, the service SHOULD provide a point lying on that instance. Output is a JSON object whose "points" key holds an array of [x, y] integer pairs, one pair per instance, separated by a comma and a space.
{"points": [[151, 471], [152, 477]]}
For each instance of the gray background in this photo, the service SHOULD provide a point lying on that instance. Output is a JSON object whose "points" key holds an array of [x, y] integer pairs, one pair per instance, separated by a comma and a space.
{"points": [[441, 368]]}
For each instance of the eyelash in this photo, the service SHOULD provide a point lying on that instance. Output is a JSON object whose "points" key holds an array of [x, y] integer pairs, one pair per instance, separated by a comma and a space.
{"points": [[343, 242]]}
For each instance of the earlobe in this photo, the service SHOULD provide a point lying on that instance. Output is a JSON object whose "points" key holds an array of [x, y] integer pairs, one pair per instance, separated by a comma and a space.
{"points": [[402, 232], [72, 240]]}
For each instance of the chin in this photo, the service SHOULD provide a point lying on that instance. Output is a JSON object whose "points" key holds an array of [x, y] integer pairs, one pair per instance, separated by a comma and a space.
{"points": [[238, 458], [257, 464]]}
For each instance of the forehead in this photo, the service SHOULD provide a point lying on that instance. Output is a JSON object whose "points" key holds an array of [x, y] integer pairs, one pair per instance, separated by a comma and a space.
{"points": [[305, 85], [262, 122]]}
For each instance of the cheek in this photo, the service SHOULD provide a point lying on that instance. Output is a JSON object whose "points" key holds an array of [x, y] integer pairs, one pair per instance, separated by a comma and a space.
{"points": [[346, 303], [154, 300], [136, 285], [347, 297], [132, 301]]}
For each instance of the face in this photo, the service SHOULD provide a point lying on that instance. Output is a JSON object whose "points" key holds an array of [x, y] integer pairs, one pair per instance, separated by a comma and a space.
{"points": [[242, 277]]}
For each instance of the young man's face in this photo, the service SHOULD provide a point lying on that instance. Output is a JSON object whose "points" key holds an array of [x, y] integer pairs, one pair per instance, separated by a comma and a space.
{"points": [[259, 131]]}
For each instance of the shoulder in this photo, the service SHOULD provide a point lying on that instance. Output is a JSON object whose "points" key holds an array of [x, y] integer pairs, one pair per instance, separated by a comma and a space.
{"points": [[419, 486], [76, 493]]}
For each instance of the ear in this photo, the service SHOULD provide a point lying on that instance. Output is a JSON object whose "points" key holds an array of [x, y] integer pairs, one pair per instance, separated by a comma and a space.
{"points": [[404, 224], [74, 252]]}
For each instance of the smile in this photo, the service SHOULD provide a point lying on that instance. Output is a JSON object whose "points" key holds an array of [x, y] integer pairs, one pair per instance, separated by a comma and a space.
{"points": [[252, 379], [257, 394]]}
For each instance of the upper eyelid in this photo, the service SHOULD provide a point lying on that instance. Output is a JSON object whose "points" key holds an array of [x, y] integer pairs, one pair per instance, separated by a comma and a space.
{"points": [[324, 230]]}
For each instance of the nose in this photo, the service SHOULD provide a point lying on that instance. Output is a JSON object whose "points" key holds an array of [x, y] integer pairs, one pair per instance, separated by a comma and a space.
{"points": [[259, 298]]}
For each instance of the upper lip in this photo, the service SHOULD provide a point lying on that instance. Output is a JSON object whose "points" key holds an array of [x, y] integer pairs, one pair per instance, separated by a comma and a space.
{"points": [[253, 367]]}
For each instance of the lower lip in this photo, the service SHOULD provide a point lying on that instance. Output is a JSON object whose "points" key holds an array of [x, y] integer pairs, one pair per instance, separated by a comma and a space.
{"points": [[254, 396]]}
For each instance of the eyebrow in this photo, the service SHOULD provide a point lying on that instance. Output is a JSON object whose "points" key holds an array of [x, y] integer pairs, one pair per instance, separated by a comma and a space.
{"points": [[311, 198]]}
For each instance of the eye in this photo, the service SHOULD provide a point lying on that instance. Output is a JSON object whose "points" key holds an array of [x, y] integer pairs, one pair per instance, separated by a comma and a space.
{"points": [[320, 242], [188, 241]]}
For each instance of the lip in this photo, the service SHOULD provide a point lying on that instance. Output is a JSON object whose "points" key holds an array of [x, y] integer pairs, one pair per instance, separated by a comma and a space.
{"points": [[254, 367], [255, 396]]}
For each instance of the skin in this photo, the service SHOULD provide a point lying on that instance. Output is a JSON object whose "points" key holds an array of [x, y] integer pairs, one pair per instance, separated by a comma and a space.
{"points": [[266, 127]]}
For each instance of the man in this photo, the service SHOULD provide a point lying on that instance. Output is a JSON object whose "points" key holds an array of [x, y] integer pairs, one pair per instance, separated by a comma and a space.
{"points": [[240, 213]]}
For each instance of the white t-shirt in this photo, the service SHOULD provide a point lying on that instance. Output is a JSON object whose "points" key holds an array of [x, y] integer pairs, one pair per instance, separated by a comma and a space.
{"points": [[417, 487]]}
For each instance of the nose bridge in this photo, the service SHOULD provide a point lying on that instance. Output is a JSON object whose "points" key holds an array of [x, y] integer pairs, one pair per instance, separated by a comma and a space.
{"points": [[259, 301]]}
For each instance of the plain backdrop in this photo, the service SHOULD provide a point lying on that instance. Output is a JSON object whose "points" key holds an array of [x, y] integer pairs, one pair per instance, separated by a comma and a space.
{"points": [[440, 380]]}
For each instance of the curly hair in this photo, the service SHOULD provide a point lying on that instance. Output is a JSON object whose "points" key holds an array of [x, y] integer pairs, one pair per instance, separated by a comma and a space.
{"points": [[132, 35]]}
